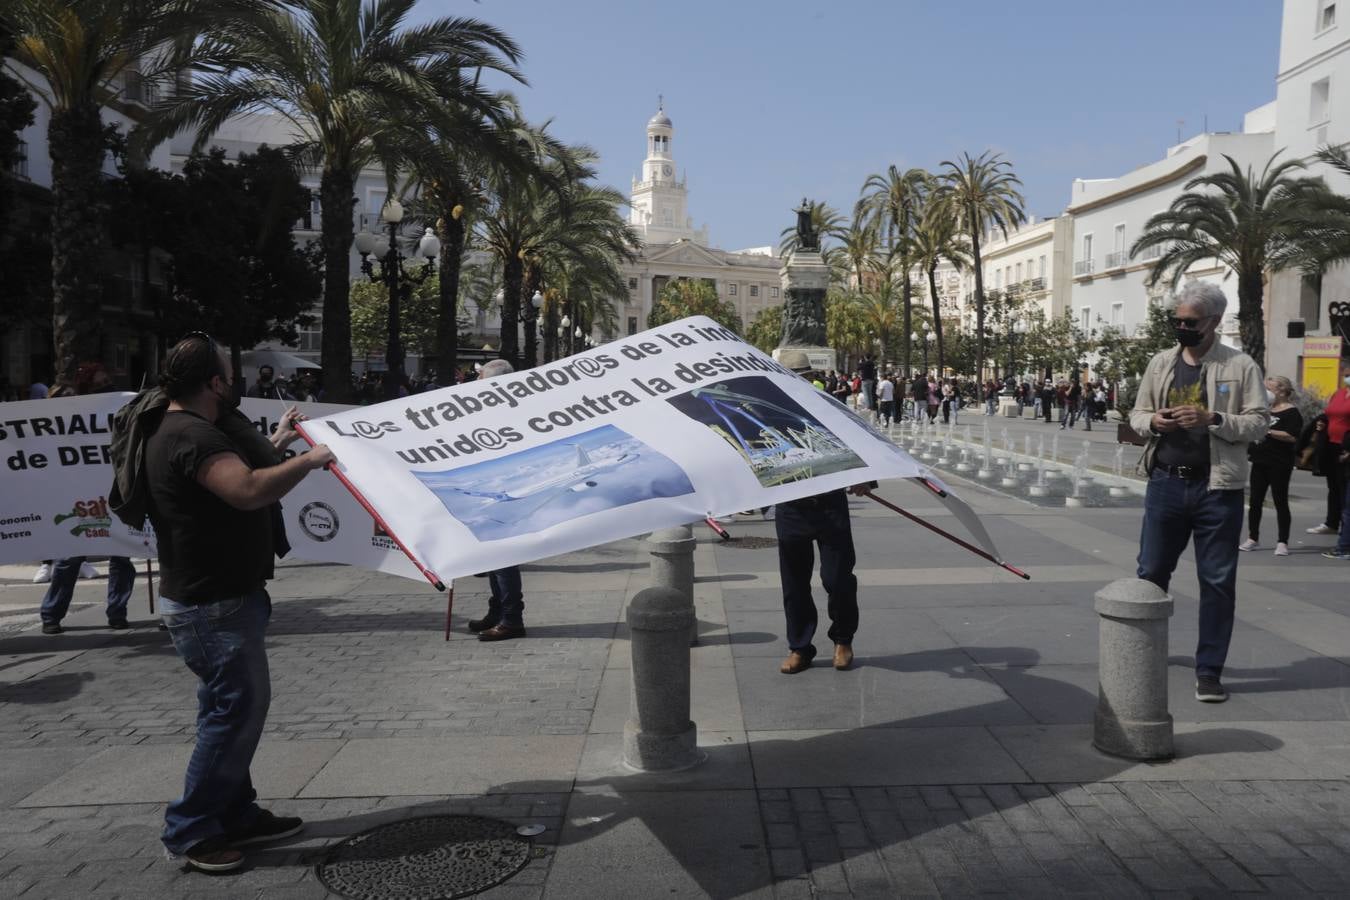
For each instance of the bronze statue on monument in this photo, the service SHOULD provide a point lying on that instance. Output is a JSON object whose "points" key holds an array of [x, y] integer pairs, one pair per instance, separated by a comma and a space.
{"points": [[805, 279]]}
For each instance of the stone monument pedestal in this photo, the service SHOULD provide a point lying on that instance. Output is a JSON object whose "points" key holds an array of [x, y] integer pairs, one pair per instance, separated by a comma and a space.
{"points": [[805, 279]]}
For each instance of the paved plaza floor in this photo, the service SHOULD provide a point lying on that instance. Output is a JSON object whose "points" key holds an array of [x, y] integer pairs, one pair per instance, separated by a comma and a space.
{"points": [[954, 759]]}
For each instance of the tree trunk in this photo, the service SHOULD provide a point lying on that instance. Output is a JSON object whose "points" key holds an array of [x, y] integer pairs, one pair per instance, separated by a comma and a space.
{"points": [[75, 141], [1251, 316], [907, 298], [550, 331], [532, 281], [336, 200], [513, 273], [979, 299], [451, 234], [937, 312]]}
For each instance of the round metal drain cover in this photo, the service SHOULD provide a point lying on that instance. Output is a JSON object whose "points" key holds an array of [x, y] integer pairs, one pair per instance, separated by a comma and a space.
{"points": [[750, 542], [427, 858]]}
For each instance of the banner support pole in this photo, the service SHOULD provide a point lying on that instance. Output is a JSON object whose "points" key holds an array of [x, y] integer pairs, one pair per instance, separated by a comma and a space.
{"points": [[360, 498], [951, 537]]}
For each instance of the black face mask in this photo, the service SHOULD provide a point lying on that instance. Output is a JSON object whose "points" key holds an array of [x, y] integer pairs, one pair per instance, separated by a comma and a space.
{"points": [[1188, 338]]}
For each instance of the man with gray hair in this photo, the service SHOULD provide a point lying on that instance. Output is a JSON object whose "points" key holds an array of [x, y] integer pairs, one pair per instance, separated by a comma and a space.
{"points": [[505, 618], [1200, 404]]}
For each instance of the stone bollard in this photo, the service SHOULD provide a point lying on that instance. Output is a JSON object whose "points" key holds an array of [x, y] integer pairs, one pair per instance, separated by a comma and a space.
{"points": [[1132, 719], [659, 735], [672, 566]]}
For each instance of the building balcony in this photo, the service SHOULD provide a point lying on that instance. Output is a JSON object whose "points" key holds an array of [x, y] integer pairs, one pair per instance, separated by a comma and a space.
{"points": [[1036, 284], [1116, 260], [1082, 267], [1153, 252], [136, 88]]}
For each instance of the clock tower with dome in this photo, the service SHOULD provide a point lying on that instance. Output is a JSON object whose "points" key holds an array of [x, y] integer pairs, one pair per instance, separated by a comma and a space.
{"points": [[660, 200]]}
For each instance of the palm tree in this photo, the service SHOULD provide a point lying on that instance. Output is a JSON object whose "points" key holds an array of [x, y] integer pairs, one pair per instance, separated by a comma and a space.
{"points": [[515, 213], [450, 167], [881, 316], [981, 194], [857, 252], [894, 201], [936, 238], [581, 237], [82, 49], [1252, 224], [343, 73]]}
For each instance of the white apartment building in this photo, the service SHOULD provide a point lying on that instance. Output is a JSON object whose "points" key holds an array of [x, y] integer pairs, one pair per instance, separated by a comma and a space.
{"points": [[1312, 109], [1108, 215], [1033, 263]]}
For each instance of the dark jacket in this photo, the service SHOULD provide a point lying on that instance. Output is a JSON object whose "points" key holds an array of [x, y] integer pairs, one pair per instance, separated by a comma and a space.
{"points": [[133, 425]]}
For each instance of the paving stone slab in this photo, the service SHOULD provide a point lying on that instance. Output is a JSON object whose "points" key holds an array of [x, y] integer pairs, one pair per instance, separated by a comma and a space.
{"points": [[449, 765]]}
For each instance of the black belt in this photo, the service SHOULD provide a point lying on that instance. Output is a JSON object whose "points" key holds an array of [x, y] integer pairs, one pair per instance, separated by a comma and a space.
{"points": [[1188, 473]]}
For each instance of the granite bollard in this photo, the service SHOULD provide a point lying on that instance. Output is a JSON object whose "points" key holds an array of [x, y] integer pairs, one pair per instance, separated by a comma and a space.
{"points": [[659, 735], [672, 566], [1132, 720]]}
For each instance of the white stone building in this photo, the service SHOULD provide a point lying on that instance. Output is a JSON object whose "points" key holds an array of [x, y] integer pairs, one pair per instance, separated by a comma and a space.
{"points": [[673, 249], [1312, 109]]}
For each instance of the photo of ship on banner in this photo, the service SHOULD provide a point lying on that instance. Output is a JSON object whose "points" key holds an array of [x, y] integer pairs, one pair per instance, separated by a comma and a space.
{"points": [[661, 428]]}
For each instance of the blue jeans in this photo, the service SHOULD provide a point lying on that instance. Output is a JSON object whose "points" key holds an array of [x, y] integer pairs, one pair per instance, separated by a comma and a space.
{"points": [[507, 601], [222, 643], [1177, 510], [65, 572]]}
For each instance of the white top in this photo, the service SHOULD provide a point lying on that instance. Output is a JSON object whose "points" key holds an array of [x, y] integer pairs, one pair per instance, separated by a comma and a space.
{"points": [[887, 389]]}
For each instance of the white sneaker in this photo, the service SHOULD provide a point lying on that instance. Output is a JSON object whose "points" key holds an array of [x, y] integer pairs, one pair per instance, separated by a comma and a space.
{"points": [[1281, 549], [1248, 545], [43, 574], [1322, 529], [88, 571]]}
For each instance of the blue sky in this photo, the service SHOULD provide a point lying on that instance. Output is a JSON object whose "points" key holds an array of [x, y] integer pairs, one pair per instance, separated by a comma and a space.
{"points": [[775, 100]]}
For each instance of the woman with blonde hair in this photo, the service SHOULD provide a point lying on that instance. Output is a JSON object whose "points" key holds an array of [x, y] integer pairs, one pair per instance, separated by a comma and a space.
{"points": [[1273, 463]]}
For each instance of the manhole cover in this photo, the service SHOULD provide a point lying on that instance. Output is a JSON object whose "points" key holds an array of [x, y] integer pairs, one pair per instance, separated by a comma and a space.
{"points": [[750, 542], [427, 858]]}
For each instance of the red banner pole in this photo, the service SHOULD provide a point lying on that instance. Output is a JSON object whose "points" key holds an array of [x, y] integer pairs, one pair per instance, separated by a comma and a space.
{"points": [[426, 573], [951, 537]]}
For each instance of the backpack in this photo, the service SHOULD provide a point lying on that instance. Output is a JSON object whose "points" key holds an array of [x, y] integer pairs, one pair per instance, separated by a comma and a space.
{"points": [[132, 426]]}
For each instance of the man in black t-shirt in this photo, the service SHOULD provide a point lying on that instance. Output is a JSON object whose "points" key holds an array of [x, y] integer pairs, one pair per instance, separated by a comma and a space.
{"points": [[210, 512]]}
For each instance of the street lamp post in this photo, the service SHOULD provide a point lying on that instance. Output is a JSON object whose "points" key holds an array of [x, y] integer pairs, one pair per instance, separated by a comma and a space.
{"points": [[927, 339], [1019, 329], [398, 283]]}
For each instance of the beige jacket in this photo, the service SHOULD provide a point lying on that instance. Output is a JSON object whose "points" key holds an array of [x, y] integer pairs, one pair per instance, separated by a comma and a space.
{"points": [[1236, 391]]}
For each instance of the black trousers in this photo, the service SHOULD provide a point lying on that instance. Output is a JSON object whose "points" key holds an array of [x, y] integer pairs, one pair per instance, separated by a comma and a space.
{"points": [[802, 525], [1276, 477], [1335, 487]]}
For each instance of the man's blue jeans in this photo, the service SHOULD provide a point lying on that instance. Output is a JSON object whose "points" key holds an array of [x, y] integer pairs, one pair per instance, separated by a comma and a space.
{"points": [[65, 572], [222, 643], [507, 596], [1177, 510]]}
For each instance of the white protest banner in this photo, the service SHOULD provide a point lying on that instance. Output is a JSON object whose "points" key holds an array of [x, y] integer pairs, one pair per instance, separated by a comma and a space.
{"points": [[665, 427], [55, 480], [56, 475]]}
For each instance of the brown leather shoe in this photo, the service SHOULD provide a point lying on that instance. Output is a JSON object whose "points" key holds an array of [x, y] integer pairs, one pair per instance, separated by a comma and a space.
{"points": [[843, 656], [483, 624], [502, 633], [796, 662]]}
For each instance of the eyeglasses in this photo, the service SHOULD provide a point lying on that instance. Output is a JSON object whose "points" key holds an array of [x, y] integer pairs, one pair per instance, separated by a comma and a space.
{"points": [[1188, 323]]}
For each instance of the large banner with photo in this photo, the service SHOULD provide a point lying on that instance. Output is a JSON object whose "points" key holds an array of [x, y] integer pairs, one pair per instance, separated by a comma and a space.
{"points": [[661, 428], [56, 475]]}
